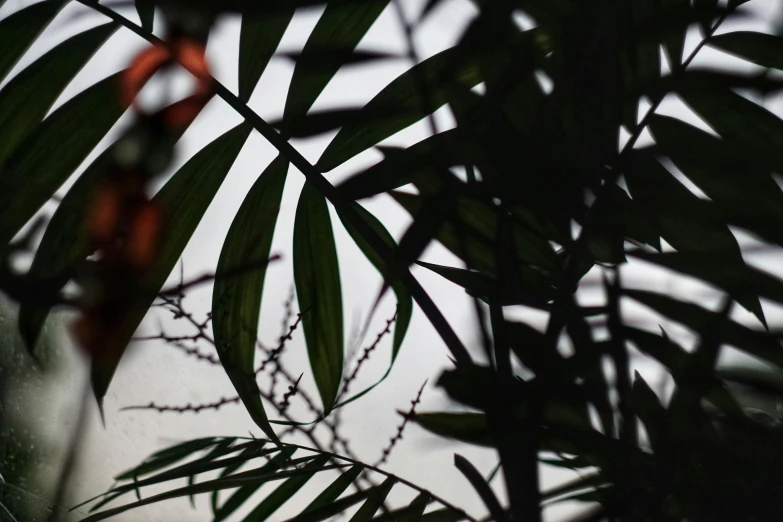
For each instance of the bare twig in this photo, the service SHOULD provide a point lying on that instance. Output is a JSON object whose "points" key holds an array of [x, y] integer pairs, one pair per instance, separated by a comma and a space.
{"points": [[405, 418]]}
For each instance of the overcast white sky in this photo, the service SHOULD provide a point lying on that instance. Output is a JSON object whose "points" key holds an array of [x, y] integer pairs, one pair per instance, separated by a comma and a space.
{"points": [[153, 371]]}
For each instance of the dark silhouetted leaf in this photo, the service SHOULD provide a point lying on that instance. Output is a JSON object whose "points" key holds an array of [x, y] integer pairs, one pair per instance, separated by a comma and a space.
{"points": [[317, 278], [317, 509], [340, 28], [184, 199], [29, 95], [403, 94], [146, 10], [464, 427], [287, 489], [258, 40], [367, 511], [759, 48], [698, 319], [404, 300], [482, 488], [236, 300], [245, 492], [51, 152], [19, 30]]}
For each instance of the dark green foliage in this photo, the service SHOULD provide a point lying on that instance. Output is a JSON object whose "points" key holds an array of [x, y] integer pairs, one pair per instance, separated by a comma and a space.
{"points": [[550, 140]]}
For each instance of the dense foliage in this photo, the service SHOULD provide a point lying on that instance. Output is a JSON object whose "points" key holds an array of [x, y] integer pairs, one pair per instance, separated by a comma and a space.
{"points": [[545, 177]]}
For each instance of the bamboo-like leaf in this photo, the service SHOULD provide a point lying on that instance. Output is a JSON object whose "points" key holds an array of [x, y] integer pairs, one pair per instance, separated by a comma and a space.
{"points": [[202, 465], [404, 95], [698, 319], [64, 243], [412, 513], [287, 489], [746, 125], [258, 40], [742, 282], [236, 300], [443, 515], [317, 279], [556, 494], [759, 48], [338, 506], [340, 28], [465, 427], [19, 30], [167, 457], [334, 490], [688, 223], [29, 95], [374, 502], [649, 409], [245, 492], [482, 488], [404, 300], [184, 199], [415, 164], [51, 152], [233, 481], [531, 289], [146, 10]]}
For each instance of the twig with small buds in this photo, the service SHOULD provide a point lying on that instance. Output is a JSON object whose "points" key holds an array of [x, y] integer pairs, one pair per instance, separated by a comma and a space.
{"points": [[187, 408], [406, 417], [366, 355]]}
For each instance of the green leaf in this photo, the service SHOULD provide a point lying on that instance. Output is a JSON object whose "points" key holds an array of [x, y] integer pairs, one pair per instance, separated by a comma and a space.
{"points": [[419, 163], [146, 10], [742, 282], [202, 465], [236, 298], [481, 486], [649, 409], [748, 126], [762, 49], [28, 96], [340, 28], [51, 152], [374, 502], [245, 492], [464, 427], [531, 289], [686, 222], [473, 237], [555, 494], [412, 513], [671, 355], [230, 482], [168, 456], [750, 199], [404, 95], [404, 299], [258, 40], [335, 489], [444, 515], [674, 41], [755, 343], [287, 489], [184, 200], [317, 279], [65, 243], [336, 507], [19, 30]]}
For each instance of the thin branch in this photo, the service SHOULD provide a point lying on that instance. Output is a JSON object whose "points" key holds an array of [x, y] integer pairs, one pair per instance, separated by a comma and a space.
{"points": [[405, 418]]}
